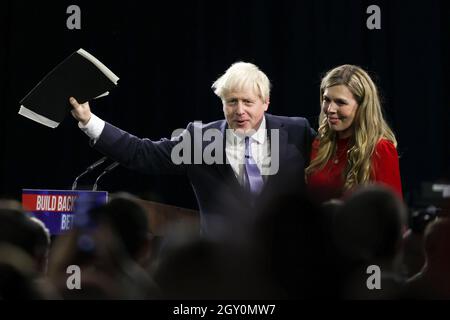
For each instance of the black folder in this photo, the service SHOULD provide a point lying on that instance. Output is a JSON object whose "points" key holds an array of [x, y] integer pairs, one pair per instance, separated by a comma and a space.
{"points": [[80, 75]]}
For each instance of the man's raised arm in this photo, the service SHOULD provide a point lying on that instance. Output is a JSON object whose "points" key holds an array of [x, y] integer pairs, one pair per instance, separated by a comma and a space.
{"points": [[138, 154]]}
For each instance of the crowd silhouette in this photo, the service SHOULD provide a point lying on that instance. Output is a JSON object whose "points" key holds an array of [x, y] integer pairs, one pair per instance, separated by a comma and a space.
{"points": [[294, 248]]}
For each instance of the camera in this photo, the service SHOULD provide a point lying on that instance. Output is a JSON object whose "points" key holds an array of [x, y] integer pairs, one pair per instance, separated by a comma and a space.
{"points": [[420, 218]]}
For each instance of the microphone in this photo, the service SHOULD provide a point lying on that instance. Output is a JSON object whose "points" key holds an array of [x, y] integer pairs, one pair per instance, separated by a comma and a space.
{"points": [[89, 169], [107, 170]]}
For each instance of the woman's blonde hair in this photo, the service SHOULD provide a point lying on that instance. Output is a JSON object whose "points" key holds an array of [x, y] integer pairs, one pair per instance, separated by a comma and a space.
{"points": [[369, 126]]}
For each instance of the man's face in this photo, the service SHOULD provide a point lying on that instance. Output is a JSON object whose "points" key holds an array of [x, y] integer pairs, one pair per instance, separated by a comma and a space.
{"points": [[244, 110]]}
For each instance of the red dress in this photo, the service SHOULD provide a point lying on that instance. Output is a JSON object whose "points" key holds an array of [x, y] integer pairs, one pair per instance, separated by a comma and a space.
{"points": [[329, 182]]}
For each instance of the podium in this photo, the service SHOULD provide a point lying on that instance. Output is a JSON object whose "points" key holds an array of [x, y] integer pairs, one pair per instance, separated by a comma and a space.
{"points": [[161, 216], [56, 209]]}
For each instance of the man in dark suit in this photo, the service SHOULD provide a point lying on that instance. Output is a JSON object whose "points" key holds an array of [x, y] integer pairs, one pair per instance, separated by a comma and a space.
{"points": [[230, 163]]}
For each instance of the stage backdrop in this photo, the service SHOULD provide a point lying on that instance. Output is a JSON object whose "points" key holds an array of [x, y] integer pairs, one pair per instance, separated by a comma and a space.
{"points": [[167, 54]]}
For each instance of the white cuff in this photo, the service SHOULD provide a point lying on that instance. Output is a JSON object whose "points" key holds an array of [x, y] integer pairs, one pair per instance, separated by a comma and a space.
{"points": [[93, 128]]}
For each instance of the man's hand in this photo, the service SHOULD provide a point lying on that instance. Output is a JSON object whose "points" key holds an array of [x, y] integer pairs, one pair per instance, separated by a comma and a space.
{"points": [[81, 112]]}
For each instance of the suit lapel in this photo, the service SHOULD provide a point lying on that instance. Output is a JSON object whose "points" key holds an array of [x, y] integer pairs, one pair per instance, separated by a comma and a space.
{"points": [[273, 123]]}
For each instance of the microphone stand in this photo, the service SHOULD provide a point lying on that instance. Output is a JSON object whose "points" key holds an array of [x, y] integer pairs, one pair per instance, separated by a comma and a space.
{"points": [[89, 169], [107, 170]]}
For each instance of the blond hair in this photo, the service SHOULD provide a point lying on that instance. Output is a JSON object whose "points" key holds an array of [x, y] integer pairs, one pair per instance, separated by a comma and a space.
{"points": [[369, 126], [242, 76]]}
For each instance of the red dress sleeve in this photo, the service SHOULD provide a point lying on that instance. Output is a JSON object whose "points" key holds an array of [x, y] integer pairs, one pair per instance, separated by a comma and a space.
{"points": [[386, 167]]}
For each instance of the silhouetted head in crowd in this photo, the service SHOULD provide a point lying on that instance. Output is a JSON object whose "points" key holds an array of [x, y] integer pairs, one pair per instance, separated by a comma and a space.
{"points": [[293, 236], [99, 258], [129, 221], [27, 234], [193, 267], [368, 227], [437, 245], [24, 246], [42, 244], [105, 244], [368, 231], [16, 275], [433, 281], [332, 206]]}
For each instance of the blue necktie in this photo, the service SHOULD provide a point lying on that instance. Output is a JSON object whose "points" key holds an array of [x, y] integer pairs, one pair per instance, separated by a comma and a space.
{"points": [[253, 179]]}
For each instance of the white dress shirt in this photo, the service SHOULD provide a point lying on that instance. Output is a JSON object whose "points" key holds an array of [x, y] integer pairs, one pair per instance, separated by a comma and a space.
{"points": [[259, 147]]}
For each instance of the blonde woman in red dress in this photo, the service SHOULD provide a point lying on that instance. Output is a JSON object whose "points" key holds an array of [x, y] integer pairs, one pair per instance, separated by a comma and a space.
{"points": [[354, 145]]}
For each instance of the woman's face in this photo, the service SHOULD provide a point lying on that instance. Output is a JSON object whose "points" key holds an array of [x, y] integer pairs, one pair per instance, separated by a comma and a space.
{"points": [[339, 106]]}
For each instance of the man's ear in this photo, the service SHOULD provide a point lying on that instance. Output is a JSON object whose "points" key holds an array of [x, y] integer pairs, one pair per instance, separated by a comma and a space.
{"points": [[267, 104]]}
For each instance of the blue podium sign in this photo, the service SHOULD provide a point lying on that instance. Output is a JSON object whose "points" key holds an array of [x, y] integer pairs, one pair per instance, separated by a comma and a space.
{"points": [[57, 208]]}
